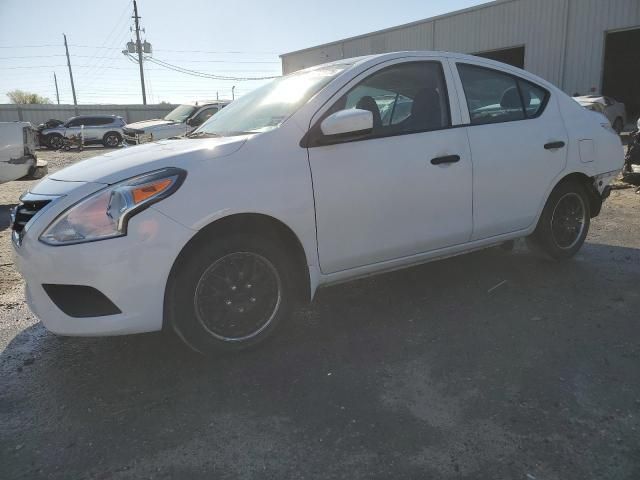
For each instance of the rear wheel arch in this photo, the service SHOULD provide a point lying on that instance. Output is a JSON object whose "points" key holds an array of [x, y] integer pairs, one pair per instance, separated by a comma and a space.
{"points": [[261, 225], [595, 200], [112, 132]]}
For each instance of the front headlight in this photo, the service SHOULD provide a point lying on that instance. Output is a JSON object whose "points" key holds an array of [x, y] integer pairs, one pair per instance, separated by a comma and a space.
{"points": [[106, 213]]}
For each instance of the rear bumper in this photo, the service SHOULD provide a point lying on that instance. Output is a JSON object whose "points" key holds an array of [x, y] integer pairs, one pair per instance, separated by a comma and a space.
{"points": [[16, 168]]}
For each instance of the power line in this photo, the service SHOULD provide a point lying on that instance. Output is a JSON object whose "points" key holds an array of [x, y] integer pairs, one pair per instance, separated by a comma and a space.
{"points": [[30, 46], [204, 74], [31, 56]]}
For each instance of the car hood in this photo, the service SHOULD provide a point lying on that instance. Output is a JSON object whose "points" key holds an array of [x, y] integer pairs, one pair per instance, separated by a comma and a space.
{"points": [[145, 124], [121, 164]]}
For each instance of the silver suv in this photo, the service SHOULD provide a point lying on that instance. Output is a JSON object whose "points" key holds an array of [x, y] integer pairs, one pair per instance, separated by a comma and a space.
{"points": [[104, 129]]}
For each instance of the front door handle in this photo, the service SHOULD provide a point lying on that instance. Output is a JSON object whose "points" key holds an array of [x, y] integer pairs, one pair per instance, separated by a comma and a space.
{"points": [[553, 145], [445, 159]]}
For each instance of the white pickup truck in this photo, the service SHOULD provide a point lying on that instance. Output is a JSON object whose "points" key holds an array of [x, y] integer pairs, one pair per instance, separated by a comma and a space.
{"points": [[18, 142], [181, 120]]}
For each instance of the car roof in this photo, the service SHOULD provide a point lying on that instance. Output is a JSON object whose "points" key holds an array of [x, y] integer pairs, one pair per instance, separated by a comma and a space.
{"points": [[371, 60], [205, 103], [94, 116]]}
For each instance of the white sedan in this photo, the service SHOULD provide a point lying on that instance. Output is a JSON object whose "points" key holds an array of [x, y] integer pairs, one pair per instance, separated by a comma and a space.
{"points": [[334, 172]]}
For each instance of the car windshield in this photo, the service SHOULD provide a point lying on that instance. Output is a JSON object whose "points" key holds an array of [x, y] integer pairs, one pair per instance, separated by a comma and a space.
{"points": [[180, 113], [267, 107]]}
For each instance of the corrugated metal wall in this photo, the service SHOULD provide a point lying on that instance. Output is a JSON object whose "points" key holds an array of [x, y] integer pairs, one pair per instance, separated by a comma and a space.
{"points": [[37, 114], [587, 26], [536, 24], [563, 39]]}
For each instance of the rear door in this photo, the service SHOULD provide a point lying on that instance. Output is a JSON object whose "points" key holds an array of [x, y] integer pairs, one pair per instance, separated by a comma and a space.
{"points": [[518, 144], [94, 128], [404, 188]]}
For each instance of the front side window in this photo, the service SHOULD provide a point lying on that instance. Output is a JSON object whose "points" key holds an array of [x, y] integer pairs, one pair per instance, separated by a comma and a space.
{"points": [[496, 97], [405, 98], [203, 116]]}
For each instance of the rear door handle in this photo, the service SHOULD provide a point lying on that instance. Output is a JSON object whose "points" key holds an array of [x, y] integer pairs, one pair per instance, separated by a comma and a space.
{"points": [[553, 145], [445, 159]]}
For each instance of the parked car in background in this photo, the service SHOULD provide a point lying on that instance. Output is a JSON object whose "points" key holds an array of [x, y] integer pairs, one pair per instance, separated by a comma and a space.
{"points": [[18, 142], [610, 108], [304, 182], [95, 129], [180, 121]]}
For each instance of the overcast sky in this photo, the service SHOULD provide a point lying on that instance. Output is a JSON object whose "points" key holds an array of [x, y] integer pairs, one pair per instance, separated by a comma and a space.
{"points": [[239, 39]]}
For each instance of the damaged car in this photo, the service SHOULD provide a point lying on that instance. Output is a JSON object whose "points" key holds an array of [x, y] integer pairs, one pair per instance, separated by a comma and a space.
{"points": [[609, 107], [328, 174], [18, 158], [179, 122]]}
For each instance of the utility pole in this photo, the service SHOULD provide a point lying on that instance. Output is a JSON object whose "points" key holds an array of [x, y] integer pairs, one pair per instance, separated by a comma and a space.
{"points": [[73, 88], [56, 82], [139, 49]]}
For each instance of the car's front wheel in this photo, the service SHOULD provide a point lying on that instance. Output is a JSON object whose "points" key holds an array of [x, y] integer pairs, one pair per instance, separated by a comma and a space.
{"points": [[54, 141], [564, 223], [229, 293]]}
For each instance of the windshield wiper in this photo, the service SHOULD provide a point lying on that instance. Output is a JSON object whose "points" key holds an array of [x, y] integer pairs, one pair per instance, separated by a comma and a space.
{"points": [[202, 134]]}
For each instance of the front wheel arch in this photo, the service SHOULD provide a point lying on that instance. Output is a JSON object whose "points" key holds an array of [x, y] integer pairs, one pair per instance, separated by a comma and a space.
{"points": [[252, 224]]}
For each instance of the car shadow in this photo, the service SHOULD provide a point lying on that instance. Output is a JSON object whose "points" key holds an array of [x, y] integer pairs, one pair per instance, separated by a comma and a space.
{"points": [[378, 367]]}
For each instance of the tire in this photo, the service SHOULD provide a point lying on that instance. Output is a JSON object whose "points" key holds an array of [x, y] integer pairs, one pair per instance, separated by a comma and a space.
{"points": [[229, 293], [564, 223], [111, 139], [54, 141], [618, 125]]}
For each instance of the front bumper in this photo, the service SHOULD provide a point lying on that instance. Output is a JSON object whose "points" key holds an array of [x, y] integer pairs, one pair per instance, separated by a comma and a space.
{"points": [[130, 271], [137, 139]]}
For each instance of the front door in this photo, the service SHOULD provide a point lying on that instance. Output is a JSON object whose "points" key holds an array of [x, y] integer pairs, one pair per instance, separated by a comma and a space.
{"points": [[401, 190]]}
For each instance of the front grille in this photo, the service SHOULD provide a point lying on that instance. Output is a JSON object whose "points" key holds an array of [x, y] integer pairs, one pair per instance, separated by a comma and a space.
{"points": [[132, 132], [25, 211]]}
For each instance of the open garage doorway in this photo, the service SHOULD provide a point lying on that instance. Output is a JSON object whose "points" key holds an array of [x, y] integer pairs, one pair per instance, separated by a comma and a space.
{"points": [[512, 56], [621, 76]]}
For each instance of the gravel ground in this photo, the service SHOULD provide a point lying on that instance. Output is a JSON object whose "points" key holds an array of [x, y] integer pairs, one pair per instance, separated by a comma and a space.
{"points": [[428, 373]]}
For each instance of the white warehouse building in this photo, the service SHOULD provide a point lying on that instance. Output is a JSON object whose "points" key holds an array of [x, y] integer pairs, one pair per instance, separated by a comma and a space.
{"points": [[582, 46]]}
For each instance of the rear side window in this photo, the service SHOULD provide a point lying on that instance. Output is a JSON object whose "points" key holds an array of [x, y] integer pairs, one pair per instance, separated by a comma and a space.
{"points": [[534, 98], [495, 97], [100, 121]]}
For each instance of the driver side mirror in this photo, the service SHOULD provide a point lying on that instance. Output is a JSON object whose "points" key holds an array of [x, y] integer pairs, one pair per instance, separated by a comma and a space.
{"points": [[190, 122], [348, 121]]}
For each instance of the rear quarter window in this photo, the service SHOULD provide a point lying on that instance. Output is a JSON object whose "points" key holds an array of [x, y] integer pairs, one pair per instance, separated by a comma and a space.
{"points": [[496, 97]]}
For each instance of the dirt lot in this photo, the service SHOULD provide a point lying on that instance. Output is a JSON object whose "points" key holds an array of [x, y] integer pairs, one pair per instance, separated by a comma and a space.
{"points": [[426, 373]]}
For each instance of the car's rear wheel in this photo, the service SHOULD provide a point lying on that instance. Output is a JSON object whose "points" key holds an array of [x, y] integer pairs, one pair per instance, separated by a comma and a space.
{"points": [[54, 141], [564, 223], [618, 125], [229, 293], [111, 139]]}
